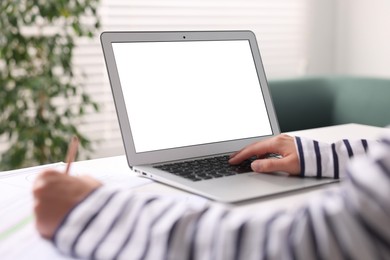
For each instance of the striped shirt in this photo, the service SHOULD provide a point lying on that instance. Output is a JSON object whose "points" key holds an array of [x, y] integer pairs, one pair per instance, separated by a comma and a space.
{"points": [[349, 222]]}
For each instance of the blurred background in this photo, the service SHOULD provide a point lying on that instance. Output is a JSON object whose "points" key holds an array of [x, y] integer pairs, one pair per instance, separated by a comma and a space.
{"points": [[297, 38]]}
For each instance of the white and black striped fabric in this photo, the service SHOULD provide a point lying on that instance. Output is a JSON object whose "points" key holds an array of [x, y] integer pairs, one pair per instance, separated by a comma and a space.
{"points": [[328, 160], [350, 222]]}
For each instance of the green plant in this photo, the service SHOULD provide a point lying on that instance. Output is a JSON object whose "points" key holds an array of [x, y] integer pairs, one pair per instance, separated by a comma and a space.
{"points": [[41, 99]]}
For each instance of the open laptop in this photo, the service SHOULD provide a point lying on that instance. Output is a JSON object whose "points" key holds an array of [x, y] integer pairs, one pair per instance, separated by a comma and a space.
{"points": [[187, 100]]}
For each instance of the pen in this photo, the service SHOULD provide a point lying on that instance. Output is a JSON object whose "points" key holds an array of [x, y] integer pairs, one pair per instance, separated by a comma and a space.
{"points": [[71, 154]]}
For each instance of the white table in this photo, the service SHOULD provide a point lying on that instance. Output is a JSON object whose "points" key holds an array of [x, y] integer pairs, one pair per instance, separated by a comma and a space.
{"points": [[19, 239]]}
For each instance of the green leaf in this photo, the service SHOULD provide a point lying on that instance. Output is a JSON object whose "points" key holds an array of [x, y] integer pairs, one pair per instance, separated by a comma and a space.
{"points": [[36, 126]]}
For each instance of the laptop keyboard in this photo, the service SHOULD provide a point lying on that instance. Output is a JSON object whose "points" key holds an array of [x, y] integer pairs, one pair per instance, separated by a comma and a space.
{"points": [[206, 168]]}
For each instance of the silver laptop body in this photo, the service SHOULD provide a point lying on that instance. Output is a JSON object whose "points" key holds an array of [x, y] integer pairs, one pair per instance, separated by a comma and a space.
{"points": [[187, 95]]}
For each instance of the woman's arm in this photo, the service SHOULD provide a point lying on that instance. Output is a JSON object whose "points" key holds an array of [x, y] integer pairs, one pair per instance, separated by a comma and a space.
{"points": [[328, 160], [350, 222]]}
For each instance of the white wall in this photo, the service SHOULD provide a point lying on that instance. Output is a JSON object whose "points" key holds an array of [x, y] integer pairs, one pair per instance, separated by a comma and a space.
{"points": [[320, 37], [349, 37], [363, 39]]}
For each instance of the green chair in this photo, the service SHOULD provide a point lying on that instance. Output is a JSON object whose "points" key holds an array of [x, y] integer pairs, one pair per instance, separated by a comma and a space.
{"points": [[305, 103]]}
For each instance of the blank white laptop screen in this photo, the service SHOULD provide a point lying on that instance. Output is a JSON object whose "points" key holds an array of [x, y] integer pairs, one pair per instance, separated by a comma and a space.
{"points": [[187, 93]]}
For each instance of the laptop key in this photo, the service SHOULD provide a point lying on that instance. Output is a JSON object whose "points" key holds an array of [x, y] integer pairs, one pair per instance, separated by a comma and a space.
{"points": [[207, 168]]}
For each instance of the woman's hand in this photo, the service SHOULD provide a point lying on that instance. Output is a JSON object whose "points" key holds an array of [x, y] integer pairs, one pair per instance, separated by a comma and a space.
{"points": [[56, 193], [283, 145]]}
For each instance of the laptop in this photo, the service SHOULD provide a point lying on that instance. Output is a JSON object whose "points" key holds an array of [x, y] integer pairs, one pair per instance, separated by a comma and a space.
{"points": [[187, 100]]}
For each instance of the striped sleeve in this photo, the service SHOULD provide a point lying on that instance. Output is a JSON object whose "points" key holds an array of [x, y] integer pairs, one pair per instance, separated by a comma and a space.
{"points": [[349, 222], [328, 160]]}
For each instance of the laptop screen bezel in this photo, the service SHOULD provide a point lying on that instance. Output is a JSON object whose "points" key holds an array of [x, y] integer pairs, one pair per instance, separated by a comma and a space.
{"points": [[173, 154]]}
